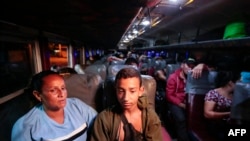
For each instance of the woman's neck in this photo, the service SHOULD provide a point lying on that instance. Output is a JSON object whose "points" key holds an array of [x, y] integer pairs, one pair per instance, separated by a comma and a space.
{"points": [[57, 116]]}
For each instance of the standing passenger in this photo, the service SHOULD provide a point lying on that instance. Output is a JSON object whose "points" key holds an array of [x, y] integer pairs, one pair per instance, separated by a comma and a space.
{"points": [[130, 119], [56, 117], [176, 97]]}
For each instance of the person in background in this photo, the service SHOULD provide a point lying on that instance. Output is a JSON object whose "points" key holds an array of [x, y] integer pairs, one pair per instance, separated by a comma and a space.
{"points": [[56, 117], [54, 68], [132, 61], [176, 97], [143, 65], [130, 119], [218, 103]]}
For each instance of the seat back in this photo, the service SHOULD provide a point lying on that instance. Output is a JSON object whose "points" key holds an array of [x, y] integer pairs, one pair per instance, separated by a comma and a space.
{"points": [[171, 68], [11, 111], [100, 69], [241, 102], [79, 69], [87, 87], [196, 90]]}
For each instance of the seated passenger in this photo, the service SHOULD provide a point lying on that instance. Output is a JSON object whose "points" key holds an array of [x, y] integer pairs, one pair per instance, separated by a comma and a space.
{"points": [[176, 97], [130, 119], [56, 117], [132, 61], [218, 102]]}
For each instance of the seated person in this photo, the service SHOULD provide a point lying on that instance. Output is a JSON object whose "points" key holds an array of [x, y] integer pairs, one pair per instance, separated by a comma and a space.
{"points": [[56, 117], [218, 102], [132, 61], [130, 119], [176, 97]]}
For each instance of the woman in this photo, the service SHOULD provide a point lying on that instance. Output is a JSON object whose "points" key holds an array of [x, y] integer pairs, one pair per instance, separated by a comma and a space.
{"points": [[218, 102], [56, 117]]}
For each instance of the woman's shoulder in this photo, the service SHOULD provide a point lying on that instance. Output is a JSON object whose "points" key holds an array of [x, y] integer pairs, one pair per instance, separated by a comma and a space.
{"points": [[32, 116]]}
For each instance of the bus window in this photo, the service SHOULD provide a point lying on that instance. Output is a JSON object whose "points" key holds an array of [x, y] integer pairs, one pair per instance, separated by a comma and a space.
{"points": [[58, 54]]}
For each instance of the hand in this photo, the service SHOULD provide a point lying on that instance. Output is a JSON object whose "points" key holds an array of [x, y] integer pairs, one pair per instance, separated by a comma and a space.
{"points": [[197, 71], [182, 105]]}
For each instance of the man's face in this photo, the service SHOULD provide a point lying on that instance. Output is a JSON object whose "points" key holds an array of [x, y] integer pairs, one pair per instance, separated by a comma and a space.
{"points": [[186, 68], [128, 91]]}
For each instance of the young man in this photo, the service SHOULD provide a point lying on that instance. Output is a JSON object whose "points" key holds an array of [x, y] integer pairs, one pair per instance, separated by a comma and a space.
{"points": [[176, 97], [130, 119]]}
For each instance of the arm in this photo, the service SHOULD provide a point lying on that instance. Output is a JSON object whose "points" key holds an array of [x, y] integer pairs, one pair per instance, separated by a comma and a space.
{"points": [[171, 91], [197, 70], [99, 130], [154, 129], [211, 114], [161, 75]]}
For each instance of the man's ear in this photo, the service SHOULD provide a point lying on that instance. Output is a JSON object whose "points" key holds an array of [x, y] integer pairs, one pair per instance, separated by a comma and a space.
{"points": [[141, 90], [37, 95]]}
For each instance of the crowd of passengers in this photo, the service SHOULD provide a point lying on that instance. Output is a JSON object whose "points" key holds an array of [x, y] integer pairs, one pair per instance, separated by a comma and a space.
{"points": [[58, 117]]}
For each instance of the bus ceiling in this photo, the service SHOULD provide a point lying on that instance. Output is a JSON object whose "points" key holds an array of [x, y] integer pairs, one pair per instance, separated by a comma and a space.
{"points": [[124, 24]]}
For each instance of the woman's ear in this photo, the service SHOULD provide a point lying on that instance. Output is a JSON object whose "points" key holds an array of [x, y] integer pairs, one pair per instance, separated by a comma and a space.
{"points": [[37, 95]]}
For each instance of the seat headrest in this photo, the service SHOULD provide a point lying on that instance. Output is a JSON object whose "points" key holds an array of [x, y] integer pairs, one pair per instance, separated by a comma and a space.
{"points": [[84, 87], [79, 69], [114, 69], [241, 102], [201, 85], [100, 69]]}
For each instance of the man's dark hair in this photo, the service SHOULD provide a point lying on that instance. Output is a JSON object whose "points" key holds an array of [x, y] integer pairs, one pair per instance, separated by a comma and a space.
{"points": [[131, 60], [129, 72]]}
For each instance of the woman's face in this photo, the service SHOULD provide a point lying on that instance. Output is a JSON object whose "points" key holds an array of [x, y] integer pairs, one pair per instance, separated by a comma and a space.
{"points": [[54, 93]]}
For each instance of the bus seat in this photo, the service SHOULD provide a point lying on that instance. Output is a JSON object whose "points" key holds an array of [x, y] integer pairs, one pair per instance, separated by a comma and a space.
{"points": [[241, 100], [165, 134], [11, 111], [113, 69], [149, 84], [196, 90], [87, 87], [171, 68], [114, 62], [79, 69], [100, 69]]}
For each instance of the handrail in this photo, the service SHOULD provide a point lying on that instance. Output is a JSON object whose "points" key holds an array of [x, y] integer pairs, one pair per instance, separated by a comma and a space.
{"points": [[235, 43], [11, 96]]}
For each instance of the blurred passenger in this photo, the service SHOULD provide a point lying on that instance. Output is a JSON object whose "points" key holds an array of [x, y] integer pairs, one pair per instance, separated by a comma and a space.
{"points": [[161, 79], [130, 119], [54, 68], [218, 103], [143, 66], [176, 97], [132, 61], [56, 117]]}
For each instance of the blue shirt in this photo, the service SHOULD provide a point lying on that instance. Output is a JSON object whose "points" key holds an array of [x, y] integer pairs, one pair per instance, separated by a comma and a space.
{"points": [[36, 125]]}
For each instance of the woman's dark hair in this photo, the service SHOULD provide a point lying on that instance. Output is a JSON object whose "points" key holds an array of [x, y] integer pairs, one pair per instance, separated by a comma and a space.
{"points": [[36, 82], [128, 73], [223, 77]]}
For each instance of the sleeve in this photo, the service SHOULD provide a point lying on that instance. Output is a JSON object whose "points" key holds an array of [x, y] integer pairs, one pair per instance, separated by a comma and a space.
{"points": [[211, 96], [19, 132], [171, 91], [154, 129], [99, 129]]}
